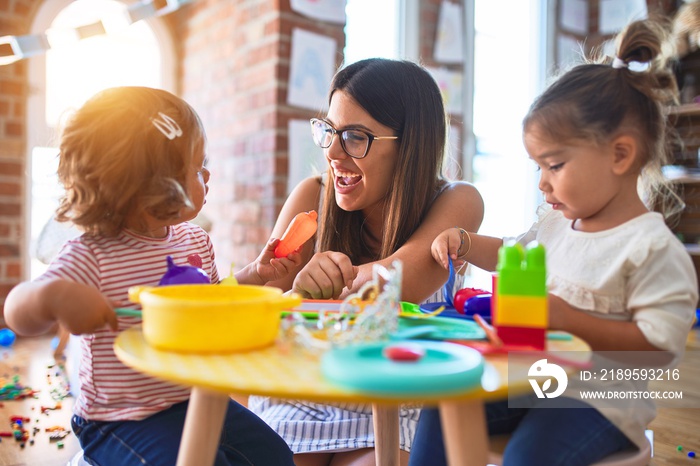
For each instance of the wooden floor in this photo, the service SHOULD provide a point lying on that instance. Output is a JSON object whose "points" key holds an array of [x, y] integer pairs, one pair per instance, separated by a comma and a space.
{"points": [[30, 360], [675, 426], [30, 363]]}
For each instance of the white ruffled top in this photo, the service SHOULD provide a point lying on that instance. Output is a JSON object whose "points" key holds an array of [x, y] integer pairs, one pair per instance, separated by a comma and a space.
{"points": [[638, 271]]}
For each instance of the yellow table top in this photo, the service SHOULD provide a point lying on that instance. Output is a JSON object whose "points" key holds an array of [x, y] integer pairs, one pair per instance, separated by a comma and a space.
{"points": [[281, 373]]}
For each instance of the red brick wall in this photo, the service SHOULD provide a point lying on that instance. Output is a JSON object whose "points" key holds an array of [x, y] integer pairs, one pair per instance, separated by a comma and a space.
{"points": [[15, 19], [236, 59]]}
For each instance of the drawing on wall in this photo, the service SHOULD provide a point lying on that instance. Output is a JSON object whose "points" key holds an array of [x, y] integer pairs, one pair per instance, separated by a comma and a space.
{"points": [[450, 84], [311, 69], [615, 14], [325, 10], [574, 16], [305, 157], [449, 42]]}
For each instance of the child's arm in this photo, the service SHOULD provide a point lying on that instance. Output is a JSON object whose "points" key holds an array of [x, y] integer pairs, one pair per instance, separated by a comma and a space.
{"points": [[479, 250], [267, 267], [600, 334], [32, 308]]}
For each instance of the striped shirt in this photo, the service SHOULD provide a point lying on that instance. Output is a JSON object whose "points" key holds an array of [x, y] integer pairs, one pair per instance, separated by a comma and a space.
{"points": [[109, 390]]}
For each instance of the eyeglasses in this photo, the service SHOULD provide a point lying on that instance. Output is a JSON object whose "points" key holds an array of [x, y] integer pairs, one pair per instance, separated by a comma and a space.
{"points": [[355, 142]]}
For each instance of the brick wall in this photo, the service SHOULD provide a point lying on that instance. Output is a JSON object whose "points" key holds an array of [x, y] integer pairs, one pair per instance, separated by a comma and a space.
{"points": [[235, 67], [15, 17]]}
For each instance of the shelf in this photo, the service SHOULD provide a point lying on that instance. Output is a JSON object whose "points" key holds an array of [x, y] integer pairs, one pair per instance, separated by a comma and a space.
{"points": [[685, 109], [693, 249], [684, 179]]}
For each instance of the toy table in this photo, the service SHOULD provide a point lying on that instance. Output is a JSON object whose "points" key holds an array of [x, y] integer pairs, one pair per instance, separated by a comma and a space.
{"points": [[295, 374]]}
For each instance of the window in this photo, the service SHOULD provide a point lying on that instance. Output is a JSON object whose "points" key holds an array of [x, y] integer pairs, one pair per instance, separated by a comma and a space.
{"points": [[140, 54], [509, 64], [371, 29]]}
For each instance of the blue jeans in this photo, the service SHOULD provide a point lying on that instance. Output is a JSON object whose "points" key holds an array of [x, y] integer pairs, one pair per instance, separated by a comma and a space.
{"points": [[245, 440], [564, 436]]}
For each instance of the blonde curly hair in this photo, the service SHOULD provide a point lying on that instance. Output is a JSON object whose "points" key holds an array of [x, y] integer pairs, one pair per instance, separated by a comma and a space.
{"points": [[117, 165]]}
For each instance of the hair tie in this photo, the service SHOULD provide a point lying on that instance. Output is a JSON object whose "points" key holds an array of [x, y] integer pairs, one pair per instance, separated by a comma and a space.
{"points": [[619, 63]]}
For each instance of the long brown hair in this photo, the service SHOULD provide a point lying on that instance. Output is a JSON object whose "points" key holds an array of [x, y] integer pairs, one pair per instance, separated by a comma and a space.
{"points": [[404, 97]]}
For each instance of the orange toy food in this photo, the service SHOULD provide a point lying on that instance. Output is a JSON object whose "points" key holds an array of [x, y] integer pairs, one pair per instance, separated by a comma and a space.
{"points": [[298, 232]]}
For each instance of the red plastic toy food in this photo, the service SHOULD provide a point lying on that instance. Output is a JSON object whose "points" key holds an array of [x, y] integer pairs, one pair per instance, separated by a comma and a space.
{"points": [[299, 231], [464, 294], [403, 353]]}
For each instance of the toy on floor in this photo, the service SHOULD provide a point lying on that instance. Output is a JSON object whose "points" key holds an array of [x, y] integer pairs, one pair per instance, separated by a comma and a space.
{"points": [[7, 337], [299, 231], [519, 305]]}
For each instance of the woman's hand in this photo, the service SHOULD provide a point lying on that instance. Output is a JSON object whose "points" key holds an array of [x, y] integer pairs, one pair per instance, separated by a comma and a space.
{"points": [[270, 268], [267, 268], [325, 276]]}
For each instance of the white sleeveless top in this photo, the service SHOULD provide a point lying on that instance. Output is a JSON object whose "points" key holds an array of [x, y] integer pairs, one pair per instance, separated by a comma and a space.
{"points": [[313, 427]]}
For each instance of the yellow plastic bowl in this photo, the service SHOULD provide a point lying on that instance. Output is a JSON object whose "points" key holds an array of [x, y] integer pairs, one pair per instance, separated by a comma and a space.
{"points": [[211, 318]]}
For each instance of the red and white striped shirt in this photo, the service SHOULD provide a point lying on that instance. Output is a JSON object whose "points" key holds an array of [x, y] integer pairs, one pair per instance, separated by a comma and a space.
{"points": [[109, 390]]}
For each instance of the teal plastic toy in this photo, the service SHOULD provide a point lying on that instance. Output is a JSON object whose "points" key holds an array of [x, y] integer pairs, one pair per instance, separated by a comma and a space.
{"points": [[441, 368]]}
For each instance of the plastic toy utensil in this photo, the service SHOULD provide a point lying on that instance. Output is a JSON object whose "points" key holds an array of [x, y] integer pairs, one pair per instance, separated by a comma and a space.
{"points": [[299, 231], [183, 275], [448, 289]]}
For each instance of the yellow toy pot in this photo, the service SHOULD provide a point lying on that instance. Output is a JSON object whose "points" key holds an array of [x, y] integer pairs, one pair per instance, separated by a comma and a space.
{"points": [[211, 318]]}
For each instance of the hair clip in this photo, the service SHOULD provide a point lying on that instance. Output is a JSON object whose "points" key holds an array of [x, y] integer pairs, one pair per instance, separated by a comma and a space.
{"points": [[167, 126]]}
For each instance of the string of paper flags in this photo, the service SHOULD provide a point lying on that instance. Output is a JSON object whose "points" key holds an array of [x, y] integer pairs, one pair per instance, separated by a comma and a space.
{"points": [[14, 48]]}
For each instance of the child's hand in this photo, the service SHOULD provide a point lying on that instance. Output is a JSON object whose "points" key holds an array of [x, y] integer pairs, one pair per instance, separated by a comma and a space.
{"points": [[32, 308], [82, 309], [325, 276], [270, 268], [445, 246]]}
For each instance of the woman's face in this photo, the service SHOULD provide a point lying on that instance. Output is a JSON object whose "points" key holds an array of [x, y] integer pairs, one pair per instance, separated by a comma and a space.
{"points": [[360, 184]]}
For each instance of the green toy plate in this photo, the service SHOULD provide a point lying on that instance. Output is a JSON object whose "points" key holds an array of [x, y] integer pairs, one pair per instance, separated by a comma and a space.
{"points": [[443, 368], [445, 328]]}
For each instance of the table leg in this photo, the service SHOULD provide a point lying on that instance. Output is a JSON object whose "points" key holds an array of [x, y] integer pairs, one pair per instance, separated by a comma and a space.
{"points": [[464, 432], [202, 431], [386, 434]]}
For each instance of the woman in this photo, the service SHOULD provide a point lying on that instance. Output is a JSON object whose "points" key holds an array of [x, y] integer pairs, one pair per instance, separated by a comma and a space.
{"points": [[382, 199]]}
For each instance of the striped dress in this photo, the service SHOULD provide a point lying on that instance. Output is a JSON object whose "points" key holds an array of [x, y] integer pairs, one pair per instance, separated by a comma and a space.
{"points": [[109, 390], [312, 427]]}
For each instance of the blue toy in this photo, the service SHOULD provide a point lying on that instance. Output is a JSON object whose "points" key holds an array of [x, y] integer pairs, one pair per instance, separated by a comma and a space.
{"points": [[7, 337]]}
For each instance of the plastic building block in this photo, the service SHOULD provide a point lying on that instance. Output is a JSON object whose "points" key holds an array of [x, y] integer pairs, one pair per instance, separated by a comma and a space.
{"points": [[519, 305]]}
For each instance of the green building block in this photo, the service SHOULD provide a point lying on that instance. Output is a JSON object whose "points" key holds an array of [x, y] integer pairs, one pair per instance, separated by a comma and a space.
{"points": [[522, 272]]}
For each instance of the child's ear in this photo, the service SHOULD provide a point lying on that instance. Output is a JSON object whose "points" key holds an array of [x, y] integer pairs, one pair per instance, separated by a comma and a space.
{"points": [[625, 154]]}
